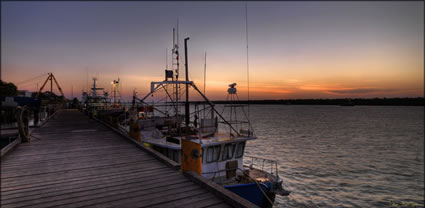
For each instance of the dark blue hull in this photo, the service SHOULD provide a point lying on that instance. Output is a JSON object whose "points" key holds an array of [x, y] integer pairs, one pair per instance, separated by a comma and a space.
{"points": [[252, 193]]}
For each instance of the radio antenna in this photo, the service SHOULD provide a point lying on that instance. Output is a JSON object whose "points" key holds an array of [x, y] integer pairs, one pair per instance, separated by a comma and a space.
{"points": [[205, 71], [247, 52]]}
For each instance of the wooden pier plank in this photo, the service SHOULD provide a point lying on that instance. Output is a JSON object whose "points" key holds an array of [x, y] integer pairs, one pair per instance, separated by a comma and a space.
{"points": [[152, 197], [79, 175], [41, 185], [200, 200], [221, 205], [66, 155], [88, 194], [74, 161], [82, 184], [67, 160]]}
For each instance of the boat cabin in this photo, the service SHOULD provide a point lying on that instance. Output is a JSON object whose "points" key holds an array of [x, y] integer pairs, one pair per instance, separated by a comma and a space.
{"points": [[220, 156]]}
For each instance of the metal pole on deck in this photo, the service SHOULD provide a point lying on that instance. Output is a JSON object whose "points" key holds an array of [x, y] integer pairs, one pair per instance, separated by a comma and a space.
{"points": [[187, 85], [205, 75]]}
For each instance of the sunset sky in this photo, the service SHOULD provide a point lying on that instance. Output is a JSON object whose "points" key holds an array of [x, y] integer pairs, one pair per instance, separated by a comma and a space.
{"points": [[296, 49]]}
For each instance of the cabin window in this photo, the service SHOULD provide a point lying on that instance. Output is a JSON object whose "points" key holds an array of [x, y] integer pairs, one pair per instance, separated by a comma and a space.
{"points": [[228, 151], [239, 150], [213, 153]]}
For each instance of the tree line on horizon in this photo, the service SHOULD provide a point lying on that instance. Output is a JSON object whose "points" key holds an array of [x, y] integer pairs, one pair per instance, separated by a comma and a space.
{"points": [[418, 101], [9, 89]]}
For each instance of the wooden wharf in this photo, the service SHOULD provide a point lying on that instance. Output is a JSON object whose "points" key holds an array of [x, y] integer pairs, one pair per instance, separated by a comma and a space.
{"points": [[74, 161]]}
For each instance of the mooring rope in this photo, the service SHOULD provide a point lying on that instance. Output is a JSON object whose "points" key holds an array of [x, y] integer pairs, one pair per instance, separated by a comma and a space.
{"points": [[261, 189], [22, 125]]}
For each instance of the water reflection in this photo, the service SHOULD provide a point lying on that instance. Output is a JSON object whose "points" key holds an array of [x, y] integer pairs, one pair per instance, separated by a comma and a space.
{"points": [[333, 156]]}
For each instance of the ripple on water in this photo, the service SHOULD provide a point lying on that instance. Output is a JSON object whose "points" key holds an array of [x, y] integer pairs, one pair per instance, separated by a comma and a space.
{"points": [[331, 156]]}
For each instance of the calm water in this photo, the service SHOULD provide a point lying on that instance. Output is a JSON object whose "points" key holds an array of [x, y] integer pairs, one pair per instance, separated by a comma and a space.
{"points": [[335, 156]]}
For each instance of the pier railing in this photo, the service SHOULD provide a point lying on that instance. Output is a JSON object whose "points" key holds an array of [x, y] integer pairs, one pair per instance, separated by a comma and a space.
{"points": [[21, 132]]}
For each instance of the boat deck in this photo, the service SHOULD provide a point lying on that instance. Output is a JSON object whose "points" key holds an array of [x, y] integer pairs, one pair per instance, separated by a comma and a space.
{"points": [[73, 161]]}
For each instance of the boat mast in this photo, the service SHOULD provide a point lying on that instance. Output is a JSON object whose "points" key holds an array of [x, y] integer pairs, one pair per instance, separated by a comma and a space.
{"points": [[205, 75], [94, 86], [247, 53], [176, 64], [187, 85], [205, 71]]}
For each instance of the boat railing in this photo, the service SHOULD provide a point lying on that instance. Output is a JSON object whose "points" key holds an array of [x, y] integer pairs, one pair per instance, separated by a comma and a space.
{"points": [[263, 163], [247, 175]]}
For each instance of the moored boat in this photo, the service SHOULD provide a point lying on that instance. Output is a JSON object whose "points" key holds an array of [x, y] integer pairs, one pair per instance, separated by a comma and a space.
{"points": [[199, 137], [98, 104]]}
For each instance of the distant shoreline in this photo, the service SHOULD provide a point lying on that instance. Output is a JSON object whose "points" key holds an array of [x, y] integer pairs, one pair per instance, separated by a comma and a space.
{"points": [[419, 101]]}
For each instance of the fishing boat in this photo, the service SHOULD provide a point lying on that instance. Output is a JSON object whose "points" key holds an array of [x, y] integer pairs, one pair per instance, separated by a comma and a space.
{"points": [[200, 138], [98, 104], [94, 101]]}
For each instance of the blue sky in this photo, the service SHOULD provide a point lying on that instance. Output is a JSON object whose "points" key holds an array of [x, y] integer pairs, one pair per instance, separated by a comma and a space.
{"points": [[297, 49]]}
